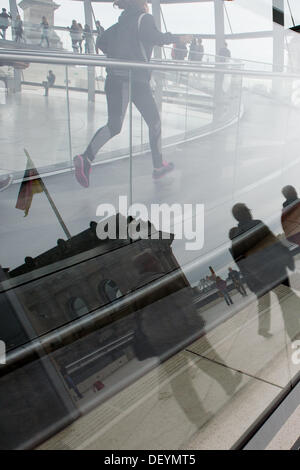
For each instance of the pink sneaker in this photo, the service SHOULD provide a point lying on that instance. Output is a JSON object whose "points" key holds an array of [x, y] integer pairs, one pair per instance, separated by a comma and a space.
{"points": [[163, 170], [82, 170]]}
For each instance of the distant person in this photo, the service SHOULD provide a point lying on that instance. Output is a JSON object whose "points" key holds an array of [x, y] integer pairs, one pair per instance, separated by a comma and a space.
{"points": [[88, 38], [262, 260], [76, 36], [290, 218], [4, 22], [132, 38], [100, 31], [19, 30], [50, 82], [235, 277], [180, 50], [44, 26], [224, 53], [222, 288], [196, 51], [81, 37]]}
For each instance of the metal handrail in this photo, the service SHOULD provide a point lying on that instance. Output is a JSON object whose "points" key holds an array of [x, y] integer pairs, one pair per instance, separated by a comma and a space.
{"points": [[96, 61]]}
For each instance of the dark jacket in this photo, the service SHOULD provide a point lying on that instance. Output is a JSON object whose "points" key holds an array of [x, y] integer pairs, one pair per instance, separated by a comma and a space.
{"points": [[221, 285], [126, 41], [261, 257], [196, 52]]}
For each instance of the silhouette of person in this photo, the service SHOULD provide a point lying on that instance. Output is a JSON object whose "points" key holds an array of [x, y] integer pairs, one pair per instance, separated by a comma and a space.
{"points": [[224, 53], [235, 277], [222, 288], [290, 218], [263, 261], [167, 319]]}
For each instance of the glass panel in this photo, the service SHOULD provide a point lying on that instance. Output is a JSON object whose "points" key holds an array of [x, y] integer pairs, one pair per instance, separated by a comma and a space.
{"points": [[162, 293]]}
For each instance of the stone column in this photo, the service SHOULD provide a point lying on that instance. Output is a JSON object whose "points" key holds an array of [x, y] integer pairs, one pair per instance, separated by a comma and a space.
{"points": [[33, 12]]}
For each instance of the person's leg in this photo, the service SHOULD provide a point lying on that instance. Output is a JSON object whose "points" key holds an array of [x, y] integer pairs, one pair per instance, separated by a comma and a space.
{"points": [[264, 315], [143, 99], [229, 297], [226, 298], [244, 292], [239, 288], [290, 309], [218, 369], [117, 93]]}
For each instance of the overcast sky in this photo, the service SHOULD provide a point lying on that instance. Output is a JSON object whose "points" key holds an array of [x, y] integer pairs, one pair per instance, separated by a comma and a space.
{"points": [[243, 15]]}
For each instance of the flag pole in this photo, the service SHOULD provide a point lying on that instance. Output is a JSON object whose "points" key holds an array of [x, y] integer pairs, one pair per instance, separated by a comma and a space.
{"points": [[52, 204]]}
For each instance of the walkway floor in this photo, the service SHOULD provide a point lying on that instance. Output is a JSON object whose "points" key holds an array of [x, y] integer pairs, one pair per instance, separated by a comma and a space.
{"points": [[205, 397]]}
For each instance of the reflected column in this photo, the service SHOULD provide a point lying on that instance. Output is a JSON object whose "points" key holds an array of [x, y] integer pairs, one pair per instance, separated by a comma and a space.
{"points": [[278, 43], [91, 70], [220, 38], [157, 55], [17, 73]]}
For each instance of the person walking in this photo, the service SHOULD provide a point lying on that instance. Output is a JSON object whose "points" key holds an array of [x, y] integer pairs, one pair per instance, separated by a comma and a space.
{"points": [[224, 53], [290, 217], [100, 31], [222, 288], [196, 51], [76, 36], [50, 82], [44, 26], [81, 37], [235, 277], [179, 50], [4, 22], [19, 30], [88, 38], [132, 38], [263, 261]]}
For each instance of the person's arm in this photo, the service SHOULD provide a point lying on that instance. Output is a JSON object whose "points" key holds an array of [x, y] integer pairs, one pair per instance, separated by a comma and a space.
{"points": [[150, 34]]}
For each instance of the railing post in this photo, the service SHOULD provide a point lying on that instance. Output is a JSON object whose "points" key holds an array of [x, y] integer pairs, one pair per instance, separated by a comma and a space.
{"points": [[130, 137], [219, 24], [158, 55], [17, 73], [278, 42], [91, 70], [69, 117]]}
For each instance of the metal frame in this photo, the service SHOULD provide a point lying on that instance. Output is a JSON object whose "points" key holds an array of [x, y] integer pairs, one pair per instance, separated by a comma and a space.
{"points": [[95, 61]]}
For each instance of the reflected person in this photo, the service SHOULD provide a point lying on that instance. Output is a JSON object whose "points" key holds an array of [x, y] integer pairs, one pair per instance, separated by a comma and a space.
{"points": [[167, 321], [131, 39], [235, 277], [263, 261], [290, 217]]}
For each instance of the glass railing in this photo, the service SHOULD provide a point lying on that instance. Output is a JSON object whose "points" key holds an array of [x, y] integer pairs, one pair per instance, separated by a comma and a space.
{"points": [[119, 323]]}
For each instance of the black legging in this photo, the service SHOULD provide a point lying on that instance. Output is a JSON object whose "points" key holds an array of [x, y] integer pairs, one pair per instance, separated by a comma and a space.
{"points": [[117, 95]]}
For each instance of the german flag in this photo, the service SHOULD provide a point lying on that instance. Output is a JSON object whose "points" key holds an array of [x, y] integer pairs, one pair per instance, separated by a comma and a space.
{"points": [[31, 184]]}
